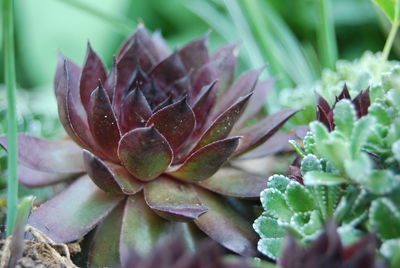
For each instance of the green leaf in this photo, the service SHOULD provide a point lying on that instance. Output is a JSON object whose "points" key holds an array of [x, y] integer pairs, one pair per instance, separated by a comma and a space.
{"points": [[336, 150], [380, 113], [390, 8], [271, 247], [381, 182], [396, 150], [17, 240], [344, 116], [310, 163], [314, 224], [278, 182], [298, 198], [309, 143], [322, 178], [385, 218], [268, 227], [349, 235], [320, 131], [359, 168], [360, 134], [274, 203], [390, 249]]}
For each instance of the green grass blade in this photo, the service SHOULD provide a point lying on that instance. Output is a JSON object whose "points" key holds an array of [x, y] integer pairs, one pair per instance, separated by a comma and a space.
{"points": [[297, 64], [121, 25], [17, 241], [271, 48], [252, 50], [10, 81], [219, 23], [326, 35]]}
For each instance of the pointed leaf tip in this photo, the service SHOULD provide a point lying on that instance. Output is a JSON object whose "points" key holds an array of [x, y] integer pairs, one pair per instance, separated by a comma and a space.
{"points": [[145, 153], [204, 162], [173, 200], [175, 122]]}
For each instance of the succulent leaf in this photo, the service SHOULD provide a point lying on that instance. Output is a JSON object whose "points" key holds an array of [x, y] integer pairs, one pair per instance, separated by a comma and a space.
{"points": [[236, 183], [74, 212], [145, 153], [204, 162], [385, 218], [295, 192], [274, 202], [104, 249], [225, 225], [173, 200]]}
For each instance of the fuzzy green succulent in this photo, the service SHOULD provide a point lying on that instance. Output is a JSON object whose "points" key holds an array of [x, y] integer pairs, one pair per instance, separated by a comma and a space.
{"points": [[366, 71], [350, 171]]}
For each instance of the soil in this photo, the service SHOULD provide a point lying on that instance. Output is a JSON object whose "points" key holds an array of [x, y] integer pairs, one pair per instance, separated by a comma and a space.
{"points": [[40, 252]]}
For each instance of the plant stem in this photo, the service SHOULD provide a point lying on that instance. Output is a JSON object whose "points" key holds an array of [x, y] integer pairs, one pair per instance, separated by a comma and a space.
{"points": [[9, 71], [121, 25], [326, 35], [389, 42]]}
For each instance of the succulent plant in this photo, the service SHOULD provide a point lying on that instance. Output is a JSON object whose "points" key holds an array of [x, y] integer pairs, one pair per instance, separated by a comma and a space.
{"points": [[328, 251], [173, 252], [366, 71], [349, 169], [325, 112], [154, 136]]}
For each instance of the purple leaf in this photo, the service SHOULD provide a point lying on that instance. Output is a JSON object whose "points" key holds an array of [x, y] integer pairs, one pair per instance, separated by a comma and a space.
{"points": [[100, 174], [325, 118], [173, 200], [93, 71], [168, 71], [104, 249], [59, 156], [66, 71], [223, 125], [145, 153], [110, 177], [203, 105], [141, 228], [135, 111], [256, 102], [160, 46], [345, 94], [155, 44], [73, 213], [323, 103], [103, 123], [243, 86], [226, 67], [111, 81], [195, 54], [225, 225], [134, 55], [264, 129], [235, 183], [277, 143], [206, 75], [33, 178], [204, 162], [362, 103], [74, 72], [175, 122]]}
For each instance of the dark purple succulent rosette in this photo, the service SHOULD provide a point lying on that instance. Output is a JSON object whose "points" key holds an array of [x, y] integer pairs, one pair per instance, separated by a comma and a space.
{"points": [[325, 112], [156, 133]]}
